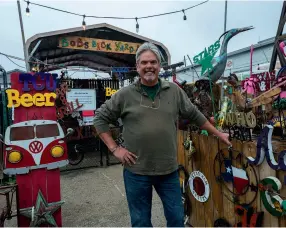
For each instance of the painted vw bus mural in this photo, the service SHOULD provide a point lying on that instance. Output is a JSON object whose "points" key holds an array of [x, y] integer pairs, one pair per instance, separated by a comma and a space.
{"points": [[34, 144]]}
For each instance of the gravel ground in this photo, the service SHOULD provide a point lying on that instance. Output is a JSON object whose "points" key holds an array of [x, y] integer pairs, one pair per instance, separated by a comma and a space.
{"points": [[96, 197]]}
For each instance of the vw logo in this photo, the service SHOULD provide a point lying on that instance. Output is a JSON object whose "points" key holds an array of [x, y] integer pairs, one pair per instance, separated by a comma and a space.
{"points": [[36, 147]]}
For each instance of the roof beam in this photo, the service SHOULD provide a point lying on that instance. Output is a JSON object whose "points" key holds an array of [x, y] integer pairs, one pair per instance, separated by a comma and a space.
{"points": [[57, 53], [85, 63], [91, 58]]}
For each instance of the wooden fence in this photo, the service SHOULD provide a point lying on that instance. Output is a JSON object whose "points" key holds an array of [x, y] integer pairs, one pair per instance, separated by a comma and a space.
{"points": [[218, 205]]}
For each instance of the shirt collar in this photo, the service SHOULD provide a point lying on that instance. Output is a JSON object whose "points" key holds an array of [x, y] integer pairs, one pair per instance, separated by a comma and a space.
{"points": [[163, 84]]}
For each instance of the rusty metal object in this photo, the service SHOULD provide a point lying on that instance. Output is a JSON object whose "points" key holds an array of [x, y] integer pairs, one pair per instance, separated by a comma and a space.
{"points": [[8, 191]]}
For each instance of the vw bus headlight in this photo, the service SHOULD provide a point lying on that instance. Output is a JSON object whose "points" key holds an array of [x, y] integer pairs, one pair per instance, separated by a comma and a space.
{"points": [[14, 157], [57, 151]]}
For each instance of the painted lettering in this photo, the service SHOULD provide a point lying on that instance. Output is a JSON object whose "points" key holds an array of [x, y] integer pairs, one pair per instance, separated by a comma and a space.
{"points": [[117, 44], [240, 133], [109, 92], [211, 49], [93, 43], [98, 46], [65, 43], [217, 45], [79, 42], [86, 45], [27, 100], [39, 99], [103, 45], [108, 48], [240, 119], [39, 81]]}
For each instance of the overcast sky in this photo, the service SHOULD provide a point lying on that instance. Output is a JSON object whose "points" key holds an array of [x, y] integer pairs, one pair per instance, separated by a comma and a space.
{"points": [[202, 28]]}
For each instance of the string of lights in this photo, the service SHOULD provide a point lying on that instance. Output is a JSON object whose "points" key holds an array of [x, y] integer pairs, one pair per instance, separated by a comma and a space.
{"points": [[130, 69], [110, 17]]}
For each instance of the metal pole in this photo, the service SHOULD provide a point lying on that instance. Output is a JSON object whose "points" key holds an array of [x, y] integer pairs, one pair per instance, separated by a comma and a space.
{"points": [[225, 15], [23, 37], [224, 30]]}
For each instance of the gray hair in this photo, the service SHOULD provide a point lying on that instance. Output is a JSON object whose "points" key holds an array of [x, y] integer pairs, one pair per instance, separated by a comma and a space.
{"points": [[148, 47]]}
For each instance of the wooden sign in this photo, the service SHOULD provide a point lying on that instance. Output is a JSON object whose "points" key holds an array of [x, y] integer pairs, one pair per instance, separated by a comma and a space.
{"points": [[38, 141], [37, 82], [241, 119], [93, 44], [265, 97]]}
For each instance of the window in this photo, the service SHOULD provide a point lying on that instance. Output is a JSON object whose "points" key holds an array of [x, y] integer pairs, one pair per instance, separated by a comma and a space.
{"points": [[47, 130], [22, 133]]}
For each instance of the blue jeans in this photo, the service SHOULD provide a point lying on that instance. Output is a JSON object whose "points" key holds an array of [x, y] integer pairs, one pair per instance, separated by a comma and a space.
{"points": [[139, 197]]}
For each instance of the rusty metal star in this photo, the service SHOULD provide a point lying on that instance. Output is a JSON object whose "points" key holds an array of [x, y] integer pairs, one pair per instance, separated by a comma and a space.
{"points": [[42, 212]]}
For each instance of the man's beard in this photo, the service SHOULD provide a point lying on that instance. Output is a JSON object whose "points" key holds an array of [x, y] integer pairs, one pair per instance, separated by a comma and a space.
{"points": [[150, 78]]}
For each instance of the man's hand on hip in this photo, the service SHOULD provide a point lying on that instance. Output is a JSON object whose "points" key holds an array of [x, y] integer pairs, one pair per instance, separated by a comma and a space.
{"points": [[125, 156]]}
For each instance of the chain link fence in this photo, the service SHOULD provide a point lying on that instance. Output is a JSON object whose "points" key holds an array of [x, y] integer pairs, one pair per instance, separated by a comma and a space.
{"points": [[96, 154]]}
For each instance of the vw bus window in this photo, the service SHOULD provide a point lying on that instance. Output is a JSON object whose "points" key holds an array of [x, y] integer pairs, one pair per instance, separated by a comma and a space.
{"points": [[47, 130], [22, 133]]}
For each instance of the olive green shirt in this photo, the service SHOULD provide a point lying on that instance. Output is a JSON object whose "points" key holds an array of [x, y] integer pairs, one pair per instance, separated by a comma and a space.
{"points": [[149, 126], [151, 90]]}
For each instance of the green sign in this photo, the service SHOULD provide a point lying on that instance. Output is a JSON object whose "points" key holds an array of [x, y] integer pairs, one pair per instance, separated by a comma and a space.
{"points": [[206, 56]]}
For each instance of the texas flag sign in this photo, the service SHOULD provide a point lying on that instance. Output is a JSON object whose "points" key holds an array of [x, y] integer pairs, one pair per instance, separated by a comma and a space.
{"points": [[236, 175]]}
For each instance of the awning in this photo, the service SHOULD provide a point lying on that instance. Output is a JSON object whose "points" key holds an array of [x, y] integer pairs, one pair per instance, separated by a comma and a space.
{"points": [[63, 48]]}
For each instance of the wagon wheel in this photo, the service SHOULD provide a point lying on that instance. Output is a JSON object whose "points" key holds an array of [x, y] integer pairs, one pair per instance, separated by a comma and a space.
{"points": [[75, 155]]}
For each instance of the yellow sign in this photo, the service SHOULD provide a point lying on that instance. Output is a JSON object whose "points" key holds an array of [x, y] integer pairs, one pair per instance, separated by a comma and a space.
{"points": [[109, 92], [28, 100], [93, 44]]}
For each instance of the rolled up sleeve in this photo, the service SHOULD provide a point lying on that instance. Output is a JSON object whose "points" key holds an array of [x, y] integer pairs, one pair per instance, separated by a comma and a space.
{"points": [[108, 113], [189, 111]]}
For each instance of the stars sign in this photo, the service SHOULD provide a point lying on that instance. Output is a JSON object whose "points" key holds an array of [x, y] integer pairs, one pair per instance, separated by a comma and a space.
{"points": [[206, 62], [43, 212]]}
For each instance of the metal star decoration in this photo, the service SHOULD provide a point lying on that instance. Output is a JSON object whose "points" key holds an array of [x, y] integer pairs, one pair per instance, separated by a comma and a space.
{"points": [[43, 212], [206, 62]]}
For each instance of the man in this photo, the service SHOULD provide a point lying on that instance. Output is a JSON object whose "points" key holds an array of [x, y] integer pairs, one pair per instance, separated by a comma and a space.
{"points": [[149, 110]]}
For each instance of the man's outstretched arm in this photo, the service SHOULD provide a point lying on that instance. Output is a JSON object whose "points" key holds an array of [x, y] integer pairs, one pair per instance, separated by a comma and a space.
{"points": [[190, 111], [211, 129]]}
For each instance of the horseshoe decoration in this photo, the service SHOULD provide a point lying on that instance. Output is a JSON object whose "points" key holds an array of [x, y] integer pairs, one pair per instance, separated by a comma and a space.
{"points": [[273, 203]]}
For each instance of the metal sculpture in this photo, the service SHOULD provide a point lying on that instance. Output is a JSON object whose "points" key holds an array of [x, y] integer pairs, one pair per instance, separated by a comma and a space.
{"points": [[213, 69], [219, 62]]}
